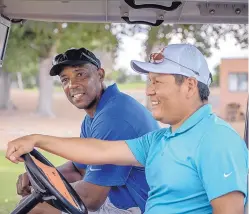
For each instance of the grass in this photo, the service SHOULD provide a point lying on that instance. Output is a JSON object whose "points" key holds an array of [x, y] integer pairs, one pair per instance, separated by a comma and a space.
{"points": [[8, 176]]}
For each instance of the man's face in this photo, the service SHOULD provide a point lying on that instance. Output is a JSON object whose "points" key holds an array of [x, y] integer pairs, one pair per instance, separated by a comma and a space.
{"points": [[168, 99], [82, 85]]}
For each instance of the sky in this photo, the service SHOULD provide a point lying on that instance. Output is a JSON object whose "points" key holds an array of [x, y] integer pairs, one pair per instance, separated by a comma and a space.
{"points": [[132, 48]]}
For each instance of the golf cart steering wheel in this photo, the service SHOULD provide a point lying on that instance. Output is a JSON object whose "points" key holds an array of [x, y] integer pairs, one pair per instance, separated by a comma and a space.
{"points": [[48, 185]]}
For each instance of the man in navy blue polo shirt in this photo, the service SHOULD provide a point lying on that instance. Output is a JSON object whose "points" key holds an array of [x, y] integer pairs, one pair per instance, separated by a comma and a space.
{"points": [[111, 115]]}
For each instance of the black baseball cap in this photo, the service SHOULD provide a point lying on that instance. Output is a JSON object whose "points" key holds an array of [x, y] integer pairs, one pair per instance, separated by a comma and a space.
{"points": [[73, 57]]}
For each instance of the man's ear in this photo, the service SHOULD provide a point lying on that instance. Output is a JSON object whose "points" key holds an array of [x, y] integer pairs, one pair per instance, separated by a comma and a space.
{"points": [[101, 73], [192, 86]]}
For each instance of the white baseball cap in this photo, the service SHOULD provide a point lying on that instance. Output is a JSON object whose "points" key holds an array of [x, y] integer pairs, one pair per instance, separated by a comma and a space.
{"points": [[184, 59]]}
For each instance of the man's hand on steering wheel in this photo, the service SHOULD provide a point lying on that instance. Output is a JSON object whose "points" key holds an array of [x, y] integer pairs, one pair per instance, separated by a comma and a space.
{"points": [[23, 187], [20, 146]]}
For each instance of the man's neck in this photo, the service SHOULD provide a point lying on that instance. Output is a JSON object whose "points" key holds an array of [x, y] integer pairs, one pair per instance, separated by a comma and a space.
{"points": [[192, 110], [91, 111]]}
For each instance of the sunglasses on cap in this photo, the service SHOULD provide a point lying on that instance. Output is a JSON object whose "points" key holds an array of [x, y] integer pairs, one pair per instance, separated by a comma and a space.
{"points": [[157, 58], [81, 54]]}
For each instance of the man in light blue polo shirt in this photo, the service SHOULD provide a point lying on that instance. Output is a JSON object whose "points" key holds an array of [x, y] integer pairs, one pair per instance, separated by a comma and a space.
{"points": [[198, 165]]}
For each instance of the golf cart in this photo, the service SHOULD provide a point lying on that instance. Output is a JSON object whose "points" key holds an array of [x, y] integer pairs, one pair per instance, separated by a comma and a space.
{"points": [[48, 184]]}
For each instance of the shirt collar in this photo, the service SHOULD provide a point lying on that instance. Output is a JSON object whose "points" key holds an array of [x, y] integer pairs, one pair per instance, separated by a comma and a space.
{"points": [[196, 117], [110, 92]]}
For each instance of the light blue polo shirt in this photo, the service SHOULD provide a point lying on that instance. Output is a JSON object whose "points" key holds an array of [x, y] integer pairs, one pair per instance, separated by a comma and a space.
{"points": [[202, 160], [119, 117]]}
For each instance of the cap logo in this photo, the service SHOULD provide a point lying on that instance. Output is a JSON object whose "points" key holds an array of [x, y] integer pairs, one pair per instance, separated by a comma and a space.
{"points": [[157, 58]]}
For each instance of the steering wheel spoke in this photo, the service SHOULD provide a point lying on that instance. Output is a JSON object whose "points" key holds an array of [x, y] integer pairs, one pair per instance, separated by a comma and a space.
{"points": [[28, 203]]}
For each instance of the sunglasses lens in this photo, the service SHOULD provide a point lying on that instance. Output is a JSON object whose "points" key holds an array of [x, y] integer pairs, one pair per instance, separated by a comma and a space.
{"points": [[57, 59], [156, 58]]}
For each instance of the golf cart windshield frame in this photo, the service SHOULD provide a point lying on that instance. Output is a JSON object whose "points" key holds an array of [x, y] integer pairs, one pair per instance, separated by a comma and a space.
{"points": [[4, 35]]}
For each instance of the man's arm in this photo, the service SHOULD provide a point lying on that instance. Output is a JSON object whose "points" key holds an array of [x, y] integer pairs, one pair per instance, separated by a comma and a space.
{"points": [[70, 172], [88, 151], [93, 195], [222, 164], [231, 203]]}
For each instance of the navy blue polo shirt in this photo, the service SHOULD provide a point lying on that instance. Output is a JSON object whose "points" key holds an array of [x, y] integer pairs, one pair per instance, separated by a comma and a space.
{"points": [[119, 117]]}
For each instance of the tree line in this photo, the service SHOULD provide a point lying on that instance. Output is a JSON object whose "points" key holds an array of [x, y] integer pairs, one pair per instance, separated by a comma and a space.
{"points": [[32, 45]]}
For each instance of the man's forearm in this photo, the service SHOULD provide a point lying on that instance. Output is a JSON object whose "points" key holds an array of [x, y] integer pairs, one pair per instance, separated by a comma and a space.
{"points": [[241, 211], [230, 203], [70, 172], [87, 151]]}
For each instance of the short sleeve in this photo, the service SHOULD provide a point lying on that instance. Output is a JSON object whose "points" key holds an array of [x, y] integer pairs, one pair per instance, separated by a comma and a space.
{"points": [[112, 129], [222, 162], [140, 147]]}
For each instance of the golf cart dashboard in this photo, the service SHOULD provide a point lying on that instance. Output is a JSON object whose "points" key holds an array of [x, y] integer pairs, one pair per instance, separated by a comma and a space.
{"points": [[131, 11]]}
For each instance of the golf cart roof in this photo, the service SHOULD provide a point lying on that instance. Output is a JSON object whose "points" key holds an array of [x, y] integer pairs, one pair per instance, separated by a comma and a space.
{"points": [[131, 11]]}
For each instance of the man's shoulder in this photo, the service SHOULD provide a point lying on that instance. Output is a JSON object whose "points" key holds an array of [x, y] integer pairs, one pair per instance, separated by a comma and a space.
{"points": [[123, 101], [157, 135], [219, 126], [219, 132], [124, 108]]}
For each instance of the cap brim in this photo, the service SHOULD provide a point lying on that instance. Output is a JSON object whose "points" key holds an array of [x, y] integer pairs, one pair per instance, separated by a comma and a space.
{"points": [[165, 67], [56, 69]]}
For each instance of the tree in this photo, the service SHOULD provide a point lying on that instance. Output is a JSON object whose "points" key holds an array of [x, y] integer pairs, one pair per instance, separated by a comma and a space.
{"points": [[203, 36], [118, 76], [14, 60], [5, 82], [55, 37], [39, 41], [216, 76]]}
